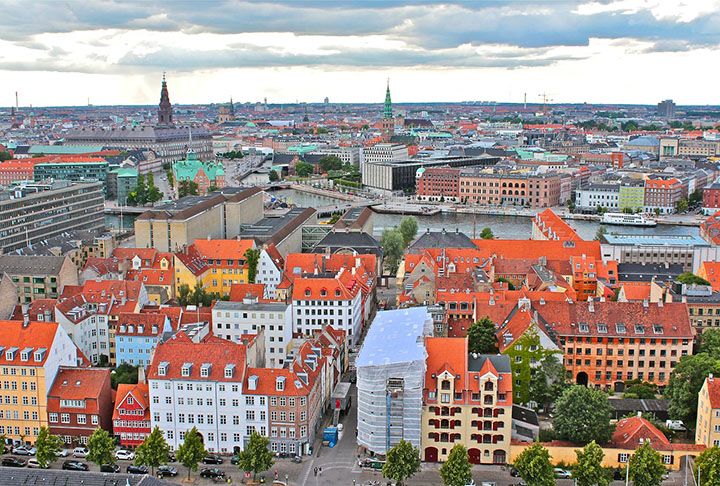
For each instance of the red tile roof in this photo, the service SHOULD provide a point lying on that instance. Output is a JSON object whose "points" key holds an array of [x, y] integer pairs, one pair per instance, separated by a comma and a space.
{"points": [[712, 273], [632, 432], [192, 260], [224, 249], [34, 335], [238, 292], [151, 276], [555, 228], [129, 324], [532, 249], [139, 393], [713, 388], [81, 384]]}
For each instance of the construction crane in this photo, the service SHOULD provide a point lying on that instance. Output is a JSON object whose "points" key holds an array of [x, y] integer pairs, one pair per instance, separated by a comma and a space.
{"points": [[545, 98]]}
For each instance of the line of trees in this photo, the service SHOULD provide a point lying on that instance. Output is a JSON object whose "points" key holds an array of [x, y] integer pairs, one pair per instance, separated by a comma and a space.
{"points": [[394, 242], [144, 192]]}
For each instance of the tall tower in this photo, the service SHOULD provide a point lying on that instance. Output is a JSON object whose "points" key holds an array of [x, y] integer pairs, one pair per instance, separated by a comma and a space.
{"points": [[388, 122], [165, 113]]}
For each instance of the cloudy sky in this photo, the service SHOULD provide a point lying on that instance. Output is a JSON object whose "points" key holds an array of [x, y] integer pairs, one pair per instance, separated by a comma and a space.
{"points": [[60, 52]]}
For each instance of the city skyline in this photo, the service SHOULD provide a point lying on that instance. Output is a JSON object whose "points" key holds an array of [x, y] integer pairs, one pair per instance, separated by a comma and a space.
{"points": [[577, 51]]}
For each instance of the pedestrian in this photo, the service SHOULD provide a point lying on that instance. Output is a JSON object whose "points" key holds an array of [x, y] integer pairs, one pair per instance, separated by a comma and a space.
{"points": [[315, 470], [276, 475], [320, 471]]}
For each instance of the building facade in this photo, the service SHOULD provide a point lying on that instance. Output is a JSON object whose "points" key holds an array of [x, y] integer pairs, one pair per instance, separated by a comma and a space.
{"points": [[131, 416], [39, 277], [606, 196], [661, 196], [438, 183]]}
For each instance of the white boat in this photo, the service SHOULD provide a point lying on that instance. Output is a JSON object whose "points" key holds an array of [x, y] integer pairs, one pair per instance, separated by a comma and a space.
{"points": [[627, 219]]}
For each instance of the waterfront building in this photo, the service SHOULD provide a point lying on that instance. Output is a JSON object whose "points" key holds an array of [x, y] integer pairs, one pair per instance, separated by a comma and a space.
{"points": [[33, 353], [504, 189], [605, 196], [711, 199], [79, 169], [438, 184], [79, 402], [37, 212], [177, 224], [631, 195], [468, 400], [120, 183]]}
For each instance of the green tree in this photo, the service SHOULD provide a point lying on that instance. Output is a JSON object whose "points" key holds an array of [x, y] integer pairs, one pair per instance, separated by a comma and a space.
{"points": [[646, 467], [153, 451], [481, 337], [709, 342], [393, 248], [199, 296], [47, 446], [588, 470], [533, 465], [695, 198], [184, 294], [304, 169], [684, 385], [639, 389], [486, 234], [548, 382], [601, 231], [681, 205], [273, 176], [335, 218], [583, 415], [690, 278], [456, 470], [5, 155], [187, 188], [629, 126], [256, 457], [252, 256], [191, 451], [657, 211], [330, 162], [101, 447], [212, 188], [401, 462], [124, 374], [408, 229], [708, 462]]}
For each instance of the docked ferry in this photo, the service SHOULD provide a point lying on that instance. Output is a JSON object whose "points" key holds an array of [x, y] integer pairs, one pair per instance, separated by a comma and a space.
{"points": [[627, 219]]}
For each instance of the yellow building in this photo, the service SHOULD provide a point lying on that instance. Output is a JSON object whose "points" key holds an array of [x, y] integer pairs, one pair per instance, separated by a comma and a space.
{"points": [[629, 434], [707, 431], [30, 355], [467, 400], [226, 261]]}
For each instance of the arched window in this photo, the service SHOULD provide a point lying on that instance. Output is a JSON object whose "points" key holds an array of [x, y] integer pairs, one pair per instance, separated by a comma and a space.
{"points": [[487, 412], [445, 384], [323, 292], [489, 386]]}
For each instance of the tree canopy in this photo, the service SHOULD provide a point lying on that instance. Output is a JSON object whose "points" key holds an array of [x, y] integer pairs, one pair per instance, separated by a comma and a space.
{"points": [[646, 467], [408, 229], [330, 162], [583, 415], [256, 457], [481, 337], [153, 451], [708, 462], [252, 256], [47, 446], [456, 470], [689, 278], [548, 382], [588, 470], [393, 248], [304, 169], [101, 447], [401, 462], [273, 176], [191, 451], [486, 234], [125, 373], [685, 383], [681, 205], [533, 465], [187, 188]]}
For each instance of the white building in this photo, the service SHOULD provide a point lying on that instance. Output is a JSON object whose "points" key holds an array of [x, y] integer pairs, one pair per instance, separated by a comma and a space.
{"points": [[606, 196], [232, 320], [384, 152], [201, 385], [325, 299], [348, 155], [269, 270]]}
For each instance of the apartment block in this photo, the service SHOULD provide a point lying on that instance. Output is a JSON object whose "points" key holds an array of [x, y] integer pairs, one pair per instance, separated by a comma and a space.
{"points": [[39, 277]]}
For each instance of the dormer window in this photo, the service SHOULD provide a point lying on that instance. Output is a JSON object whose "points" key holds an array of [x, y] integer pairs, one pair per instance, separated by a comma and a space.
{"points": [[141, 329], [307, 292], [337, 292], [657, 328], [229, 371], [280, 383], [583, 327], [602, 327], [162, 368], [130, 400], [620, 328], [39, 355], [323, 292], [186, 368], [205, 370], [639, 329]]}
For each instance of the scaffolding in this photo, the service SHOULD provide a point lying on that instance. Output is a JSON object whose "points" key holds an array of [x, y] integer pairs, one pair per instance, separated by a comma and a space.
{"points": [[390, 376]]}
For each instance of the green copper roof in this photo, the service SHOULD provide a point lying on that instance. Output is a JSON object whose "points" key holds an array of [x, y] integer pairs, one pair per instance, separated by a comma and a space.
{"points": [[126, 172], [301, 149], [388, 103], [187, 169]]}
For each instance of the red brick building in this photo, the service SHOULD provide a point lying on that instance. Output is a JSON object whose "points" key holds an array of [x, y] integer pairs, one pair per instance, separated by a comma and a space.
{"points": [[16, 170], [437, 183], [662, 195], [79, 402], [537, 191], [711, 198], [131, 417]]}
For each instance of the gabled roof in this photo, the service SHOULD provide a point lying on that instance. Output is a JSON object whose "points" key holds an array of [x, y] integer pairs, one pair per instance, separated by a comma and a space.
{"points": [[632, 432], [35, 336], [193, 260], [555, 228], [713, 389], [238, 292], [81, 384], [223, 249], [139, 324], [138, 391]]}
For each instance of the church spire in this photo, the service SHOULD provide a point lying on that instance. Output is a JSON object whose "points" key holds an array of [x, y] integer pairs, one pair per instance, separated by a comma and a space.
{"points": [[388, 102], [165, 113]]}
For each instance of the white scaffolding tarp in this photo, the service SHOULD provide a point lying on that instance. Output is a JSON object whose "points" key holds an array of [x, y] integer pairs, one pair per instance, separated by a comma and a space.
{"points": [[390, 378]]}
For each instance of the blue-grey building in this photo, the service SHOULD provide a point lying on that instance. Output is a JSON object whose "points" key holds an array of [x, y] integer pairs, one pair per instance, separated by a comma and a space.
{"points": [[137, 335]]}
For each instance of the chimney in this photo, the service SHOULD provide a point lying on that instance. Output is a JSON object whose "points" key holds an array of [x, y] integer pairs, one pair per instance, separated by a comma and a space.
{"points": [[591, 306], [710, 377], [141, 374], [639, 414]]}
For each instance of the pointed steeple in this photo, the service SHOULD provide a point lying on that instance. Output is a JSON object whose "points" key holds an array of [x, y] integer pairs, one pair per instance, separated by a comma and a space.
{"points": [[165, 114], [232, 107], [388, 102]]}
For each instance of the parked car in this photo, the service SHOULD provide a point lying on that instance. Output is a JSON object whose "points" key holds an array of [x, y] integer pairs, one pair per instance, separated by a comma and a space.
{"points": [[124, 455], [166, 470], [133, 469], [35, 464], [75, 466], [212, 473], [63, 452], [561, 473], [80, 452], [212, 459], [171, 457], [110, 468], [24, 451], [514, 472], [13, 462], [235, 460]]}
